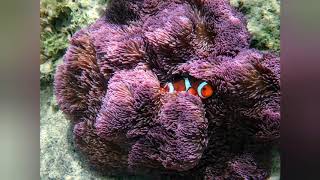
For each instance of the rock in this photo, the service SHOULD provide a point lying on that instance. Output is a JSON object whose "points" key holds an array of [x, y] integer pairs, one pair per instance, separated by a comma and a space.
{"points": [[46, 75], [58, 157]]}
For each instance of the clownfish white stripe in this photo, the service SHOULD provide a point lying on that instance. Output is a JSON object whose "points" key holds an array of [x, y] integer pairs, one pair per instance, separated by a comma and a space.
{"points": [[171, 88], [200, 88], [187, 84]]}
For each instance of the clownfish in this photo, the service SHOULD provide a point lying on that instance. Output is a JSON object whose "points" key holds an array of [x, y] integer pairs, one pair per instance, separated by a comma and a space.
{"points": [[197, 87]]}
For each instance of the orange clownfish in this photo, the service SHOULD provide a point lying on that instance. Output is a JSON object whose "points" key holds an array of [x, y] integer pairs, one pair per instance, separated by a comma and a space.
{"points": [[197, 88]]}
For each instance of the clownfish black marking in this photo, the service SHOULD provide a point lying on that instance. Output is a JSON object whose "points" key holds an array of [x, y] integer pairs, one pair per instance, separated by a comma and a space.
{"points": [[197, 87]]}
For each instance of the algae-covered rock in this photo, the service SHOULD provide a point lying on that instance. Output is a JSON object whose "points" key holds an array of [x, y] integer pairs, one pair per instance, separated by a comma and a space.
{"points": [[47, 70], [59, 19], [275, 170], [263, 17]]}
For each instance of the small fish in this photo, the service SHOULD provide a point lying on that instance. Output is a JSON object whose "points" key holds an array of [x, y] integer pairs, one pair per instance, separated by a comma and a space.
{"points": [[197, 87]]}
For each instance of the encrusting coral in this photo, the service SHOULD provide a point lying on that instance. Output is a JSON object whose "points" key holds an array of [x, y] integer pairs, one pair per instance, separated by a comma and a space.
{"points": [[109, 85]]}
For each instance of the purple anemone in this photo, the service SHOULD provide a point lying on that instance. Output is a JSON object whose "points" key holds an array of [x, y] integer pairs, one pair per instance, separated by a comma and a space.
{"points": [[109, 87]]}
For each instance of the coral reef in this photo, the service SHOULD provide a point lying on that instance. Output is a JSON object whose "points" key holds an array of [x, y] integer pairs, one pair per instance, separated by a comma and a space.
{"points": [[109, 87]]}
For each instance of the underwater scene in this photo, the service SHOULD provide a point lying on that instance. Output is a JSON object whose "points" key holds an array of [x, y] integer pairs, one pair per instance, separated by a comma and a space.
{"points": [[147, 89]]}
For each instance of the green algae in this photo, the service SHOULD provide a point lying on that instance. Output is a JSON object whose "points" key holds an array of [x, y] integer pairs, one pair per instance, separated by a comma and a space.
{"points": [[59, 19], [263, 18]]}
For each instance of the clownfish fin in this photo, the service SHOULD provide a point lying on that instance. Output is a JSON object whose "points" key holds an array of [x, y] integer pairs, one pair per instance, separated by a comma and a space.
{"points": [[187, 84], [171, 88]]}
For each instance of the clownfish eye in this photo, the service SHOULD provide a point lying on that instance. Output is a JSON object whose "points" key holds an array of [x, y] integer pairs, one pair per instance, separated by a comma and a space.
{"points": [[205, 90]]}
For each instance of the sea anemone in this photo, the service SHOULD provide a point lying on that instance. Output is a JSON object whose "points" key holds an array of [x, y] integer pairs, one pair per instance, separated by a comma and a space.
{"points": [[109, 86]]}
